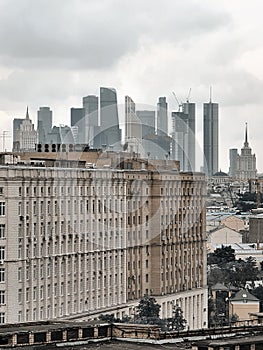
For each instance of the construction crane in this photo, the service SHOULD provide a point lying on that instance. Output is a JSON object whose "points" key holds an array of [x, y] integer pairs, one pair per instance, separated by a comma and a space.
{"points": [[180, 105], [188, 96]]}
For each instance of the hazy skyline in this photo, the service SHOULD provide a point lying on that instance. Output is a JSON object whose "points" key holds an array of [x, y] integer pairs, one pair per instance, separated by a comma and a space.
{"points": [[55, 52]]}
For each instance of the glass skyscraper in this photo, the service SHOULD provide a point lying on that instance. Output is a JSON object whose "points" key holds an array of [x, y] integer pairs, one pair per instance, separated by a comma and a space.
{"points": [[210, 138]]}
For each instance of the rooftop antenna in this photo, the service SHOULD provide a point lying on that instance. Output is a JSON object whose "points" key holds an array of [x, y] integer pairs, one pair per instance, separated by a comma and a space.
{"points": [[210, 94]]}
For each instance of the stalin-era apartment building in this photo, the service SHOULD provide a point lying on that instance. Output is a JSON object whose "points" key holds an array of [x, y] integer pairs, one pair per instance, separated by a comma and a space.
{"points": [[91, 234]]}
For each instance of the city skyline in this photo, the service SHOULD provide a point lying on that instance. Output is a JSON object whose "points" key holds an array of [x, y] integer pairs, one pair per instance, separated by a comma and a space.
{"points": [[209, 44], [207, 160]]}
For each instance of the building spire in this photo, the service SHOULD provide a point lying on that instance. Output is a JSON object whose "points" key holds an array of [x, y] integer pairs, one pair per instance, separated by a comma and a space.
{"points": [[210, 94], [27, 114], [246, 142]]}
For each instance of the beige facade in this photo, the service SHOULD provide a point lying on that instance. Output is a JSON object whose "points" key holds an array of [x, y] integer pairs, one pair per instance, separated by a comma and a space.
{"points": [[80, 242], [243, 310], [243, 304], [234, 223], [224, 235]]}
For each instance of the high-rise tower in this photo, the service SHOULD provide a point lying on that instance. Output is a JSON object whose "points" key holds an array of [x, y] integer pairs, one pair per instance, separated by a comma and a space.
{"points": [[189, 110], [246, 162], [147, 119], [77, 121], [179, 144], [233, 162], [133, 128], [44, 123], [109, 120], [210, 138], [162, 117], [183, 145], [91, 117]]}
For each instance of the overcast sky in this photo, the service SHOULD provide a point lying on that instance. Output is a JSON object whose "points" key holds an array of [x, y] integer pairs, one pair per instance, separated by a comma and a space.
{"points": [[54, 52]]}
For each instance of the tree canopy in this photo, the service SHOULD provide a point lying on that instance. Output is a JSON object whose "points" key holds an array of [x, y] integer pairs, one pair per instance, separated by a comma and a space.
{"points": [[148, 308], [177, 322], [221, 256]]}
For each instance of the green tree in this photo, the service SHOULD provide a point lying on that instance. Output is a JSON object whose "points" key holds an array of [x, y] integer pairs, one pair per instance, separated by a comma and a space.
{"points": [[148, 310], [242, 271], [216, 275], [221, 256], [107, 318], [258, 292], [177, 322]]}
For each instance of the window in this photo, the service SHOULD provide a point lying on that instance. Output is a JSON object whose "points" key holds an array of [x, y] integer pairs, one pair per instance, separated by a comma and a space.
{"points": [[2, 230], [41, 313], [27, 294], [2, 297], [2, 208], [19, 231], [19, 208], [2, 253], [48, 311], [41, 292], [20, 295], [27, 272], [2, 317], [35, 293], [20, 274]]}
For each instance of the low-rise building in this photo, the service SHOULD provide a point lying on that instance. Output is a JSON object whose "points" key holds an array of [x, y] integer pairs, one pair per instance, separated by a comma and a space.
{"points": [[243, 304], [224, 235]]}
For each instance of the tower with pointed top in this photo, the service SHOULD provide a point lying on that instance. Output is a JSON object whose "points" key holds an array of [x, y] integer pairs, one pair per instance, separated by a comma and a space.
{"points": [[25, 137], [246, 162]]}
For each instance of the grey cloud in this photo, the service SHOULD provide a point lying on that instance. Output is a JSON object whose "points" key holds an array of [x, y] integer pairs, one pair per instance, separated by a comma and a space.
{"points": [[86, 34], [23, 87]]}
